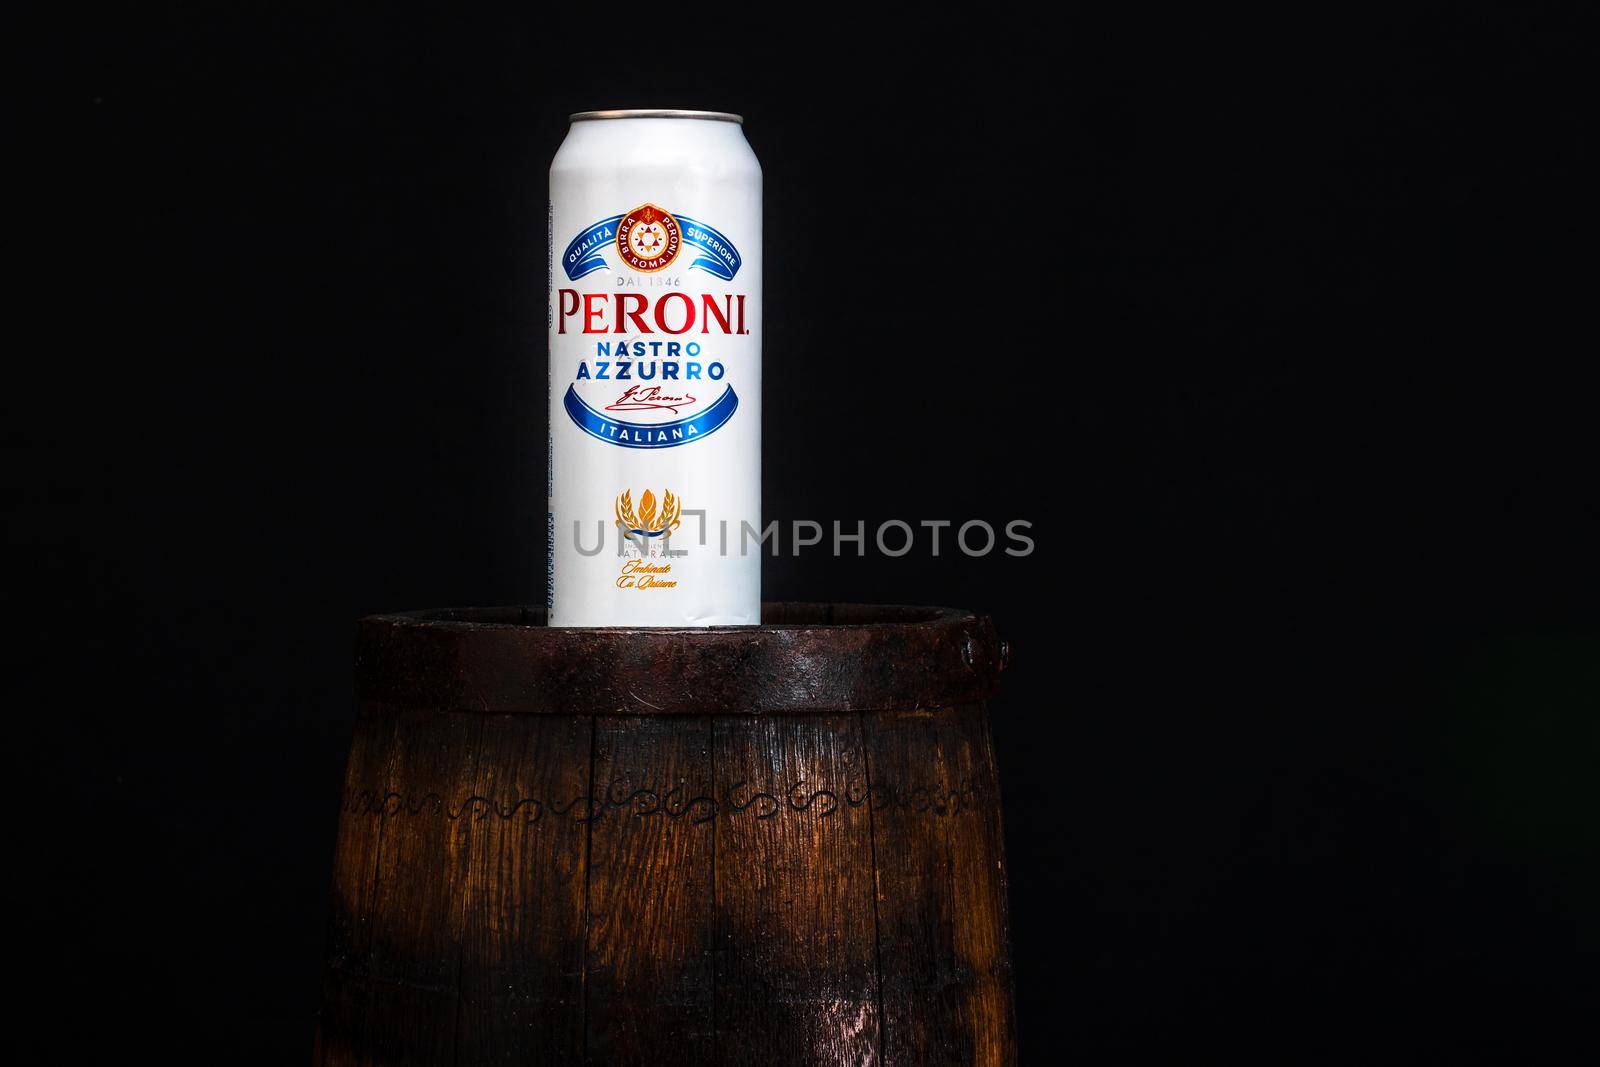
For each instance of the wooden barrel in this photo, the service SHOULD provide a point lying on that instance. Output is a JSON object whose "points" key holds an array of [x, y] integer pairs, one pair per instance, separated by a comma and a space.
{"points": [[771, 845]]}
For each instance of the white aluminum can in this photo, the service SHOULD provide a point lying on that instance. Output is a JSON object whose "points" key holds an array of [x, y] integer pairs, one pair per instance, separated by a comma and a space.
{"points": [[654, 483]]}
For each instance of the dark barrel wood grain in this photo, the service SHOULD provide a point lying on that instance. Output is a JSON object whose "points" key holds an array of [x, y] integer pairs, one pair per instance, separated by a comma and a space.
{"points": [[768, 845]]}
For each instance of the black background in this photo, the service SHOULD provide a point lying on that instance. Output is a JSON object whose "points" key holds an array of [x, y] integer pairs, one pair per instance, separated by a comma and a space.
{"points": [[1278, 333]]}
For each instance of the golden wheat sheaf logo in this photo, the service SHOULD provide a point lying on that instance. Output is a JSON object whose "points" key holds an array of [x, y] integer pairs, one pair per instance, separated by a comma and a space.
{"points": [[647, 521]]}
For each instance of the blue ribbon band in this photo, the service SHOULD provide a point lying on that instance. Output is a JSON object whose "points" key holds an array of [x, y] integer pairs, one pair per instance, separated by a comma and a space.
{"points": [[583, 254], [721, 258], [650, 435]]}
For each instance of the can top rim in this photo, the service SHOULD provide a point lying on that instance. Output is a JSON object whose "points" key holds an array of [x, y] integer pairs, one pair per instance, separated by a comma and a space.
{"points": [[656, 113]]}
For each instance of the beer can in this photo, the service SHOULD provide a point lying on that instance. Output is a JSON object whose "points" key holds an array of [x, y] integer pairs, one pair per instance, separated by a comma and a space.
{"points": [[654, 482]]}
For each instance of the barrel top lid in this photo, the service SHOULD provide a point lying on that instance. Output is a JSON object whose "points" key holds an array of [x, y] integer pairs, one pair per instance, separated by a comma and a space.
{"points": [[802, 658], [656, 113]]}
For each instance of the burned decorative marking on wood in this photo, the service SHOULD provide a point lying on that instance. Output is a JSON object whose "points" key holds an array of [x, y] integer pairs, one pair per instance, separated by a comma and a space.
{"points": [[672, 803], [777, 844]]}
